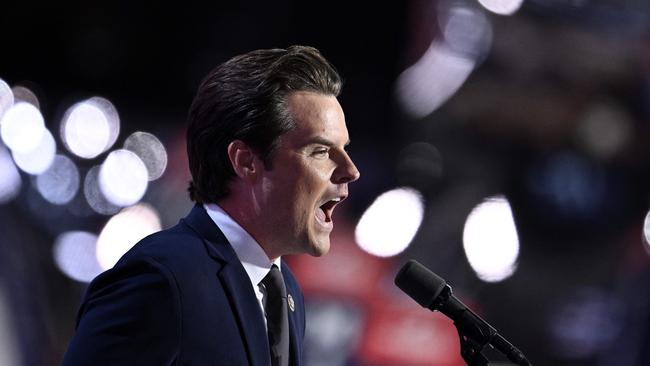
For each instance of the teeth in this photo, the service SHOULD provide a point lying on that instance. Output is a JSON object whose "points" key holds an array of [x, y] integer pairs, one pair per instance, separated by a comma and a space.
{"points": [[336, 199]]}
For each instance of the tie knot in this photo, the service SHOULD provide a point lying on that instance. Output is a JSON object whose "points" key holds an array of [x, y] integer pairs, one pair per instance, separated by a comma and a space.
{"points": [[274, 283]]}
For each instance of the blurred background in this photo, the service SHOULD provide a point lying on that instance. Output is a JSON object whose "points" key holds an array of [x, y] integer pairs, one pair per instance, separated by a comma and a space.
{"points": [[504, 144]]}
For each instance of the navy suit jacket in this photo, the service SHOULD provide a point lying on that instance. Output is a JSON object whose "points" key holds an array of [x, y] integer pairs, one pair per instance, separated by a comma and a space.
{"points": [[179, 297]]}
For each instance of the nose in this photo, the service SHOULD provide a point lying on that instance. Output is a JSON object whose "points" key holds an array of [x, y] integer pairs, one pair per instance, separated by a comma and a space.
{"points": [[346, 171]]}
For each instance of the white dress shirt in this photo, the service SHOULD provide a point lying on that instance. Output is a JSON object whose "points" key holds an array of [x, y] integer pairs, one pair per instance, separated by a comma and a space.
{"points": [[251, 255]]}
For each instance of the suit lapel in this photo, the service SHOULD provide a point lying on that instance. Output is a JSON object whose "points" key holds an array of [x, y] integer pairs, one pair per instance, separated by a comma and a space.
{"points": [[293, 339], [296, 316], [236, 284], [250, 317]]}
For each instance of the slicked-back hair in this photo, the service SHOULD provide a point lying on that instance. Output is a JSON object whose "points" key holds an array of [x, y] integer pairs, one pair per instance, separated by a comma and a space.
{"points": [[245, 99]]}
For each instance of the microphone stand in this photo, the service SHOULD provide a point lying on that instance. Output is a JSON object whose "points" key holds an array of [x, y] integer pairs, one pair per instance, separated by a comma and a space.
{"points": [[474, 335], [470, 349]]}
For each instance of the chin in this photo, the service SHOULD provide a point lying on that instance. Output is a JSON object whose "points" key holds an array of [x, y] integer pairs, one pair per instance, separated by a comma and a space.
{"points": [[320, 253], [319, 249]]}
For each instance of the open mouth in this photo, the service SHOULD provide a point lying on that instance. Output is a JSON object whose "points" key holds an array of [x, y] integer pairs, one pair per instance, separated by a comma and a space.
{"points": [[324, 211]]}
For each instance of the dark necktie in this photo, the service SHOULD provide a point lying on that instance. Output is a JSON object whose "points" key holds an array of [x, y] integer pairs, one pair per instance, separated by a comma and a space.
{"points": [[277, 318]]}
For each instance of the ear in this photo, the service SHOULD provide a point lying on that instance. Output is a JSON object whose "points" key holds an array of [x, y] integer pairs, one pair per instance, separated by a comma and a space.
{"points": [[244, 160]]}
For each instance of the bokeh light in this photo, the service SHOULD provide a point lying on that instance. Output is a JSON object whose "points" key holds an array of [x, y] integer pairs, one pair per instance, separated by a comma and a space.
{"points": [[502, 7], [427, 84], [23, 94], [334, 330], [586, 322], [123, 178], [94, 195], [90, 127], [6, 97], [75, 255], [387, 227], [9, 338], [112, 117], [123, 230], [150, 150], [445, 66], [10, 180], [646, 232], [39, 159], [466, 30], [22, 127], [569, 185], [420, 165], [490, 240], [85, 130], [60, 182], [605, 129]]}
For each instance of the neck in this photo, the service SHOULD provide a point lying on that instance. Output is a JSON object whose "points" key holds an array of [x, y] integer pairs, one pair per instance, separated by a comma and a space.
{"points": [[244, 214]]}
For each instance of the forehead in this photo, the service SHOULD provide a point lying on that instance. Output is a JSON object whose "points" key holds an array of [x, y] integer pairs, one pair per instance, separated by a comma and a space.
{"points": [[317, 115]]}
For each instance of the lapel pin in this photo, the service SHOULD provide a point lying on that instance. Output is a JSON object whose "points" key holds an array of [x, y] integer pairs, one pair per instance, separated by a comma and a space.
{"points": [[292, 305]]}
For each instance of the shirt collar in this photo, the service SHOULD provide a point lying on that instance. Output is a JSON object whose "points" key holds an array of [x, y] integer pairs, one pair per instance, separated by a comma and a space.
{"points": [[251, 255]]}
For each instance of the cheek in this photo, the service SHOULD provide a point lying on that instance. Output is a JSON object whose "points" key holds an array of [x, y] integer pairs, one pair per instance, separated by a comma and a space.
{"points": [[312, 185], [301, 187], [319, 172]]}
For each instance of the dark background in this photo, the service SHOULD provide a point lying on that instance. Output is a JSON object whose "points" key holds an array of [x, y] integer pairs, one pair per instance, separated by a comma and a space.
{"points": [[580, 295]]}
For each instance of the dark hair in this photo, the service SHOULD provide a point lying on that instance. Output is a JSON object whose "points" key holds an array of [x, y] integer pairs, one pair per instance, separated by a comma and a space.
{"points": [[245, 99]]}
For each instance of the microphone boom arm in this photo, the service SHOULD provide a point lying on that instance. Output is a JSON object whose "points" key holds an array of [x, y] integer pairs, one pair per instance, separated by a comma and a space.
{"points": [[474, 332], [432, 292]]}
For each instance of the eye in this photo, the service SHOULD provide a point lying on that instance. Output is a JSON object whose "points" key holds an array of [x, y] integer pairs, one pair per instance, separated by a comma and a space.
{"points": [[320, 152]]}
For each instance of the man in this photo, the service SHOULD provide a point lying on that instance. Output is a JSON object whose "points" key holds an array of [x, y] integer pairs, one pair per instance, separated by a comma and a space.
{"points": [[266, 145]]}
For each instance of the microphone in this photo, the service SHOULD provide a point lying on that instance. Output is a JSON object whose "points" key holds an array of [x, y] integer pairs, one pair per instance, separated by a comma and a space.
{"points": [[432, 292]]}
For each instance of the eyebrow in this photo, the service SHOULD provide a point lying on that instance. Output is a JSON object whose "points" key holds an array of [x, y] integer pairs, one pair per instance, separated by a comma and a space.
{"points": [[326, 142]]}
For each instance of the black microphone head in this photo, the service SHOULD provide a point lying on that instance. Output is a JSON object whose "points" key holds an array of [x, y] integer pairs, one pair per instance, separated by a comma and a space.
{"points": [[419, 283]]}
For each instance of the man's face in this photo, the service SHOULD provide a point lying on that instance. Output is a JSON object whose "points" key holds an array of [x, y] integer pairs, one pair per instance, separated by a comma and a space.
{"points": [[309, 176]]}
